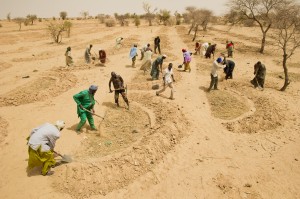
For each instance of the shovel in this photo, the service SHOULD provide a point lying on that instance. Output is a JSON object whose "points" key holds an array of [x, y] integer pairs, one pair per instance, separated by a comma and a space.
{"points": [[64, 158]]}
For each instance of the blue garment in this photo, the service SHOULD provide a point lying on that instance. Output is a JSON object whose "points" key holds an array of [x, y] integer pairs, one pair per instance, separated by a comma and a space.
{"points": [[133, 52]]}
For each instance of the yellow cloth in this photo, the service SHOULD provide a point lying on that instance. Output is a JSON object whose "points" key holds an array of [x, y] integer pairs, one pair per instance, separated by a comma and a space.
{"points": [[187, 66], [38, 158]]}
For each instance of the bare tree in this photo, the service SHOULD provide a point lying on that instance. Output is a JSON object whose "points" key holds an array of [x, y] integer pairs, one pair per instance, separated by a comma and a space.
{"points": [[201, 18], [177, 18], [19, 21], [261, 11], [150, 15], [288, 31], [190, 16], [84, 14], [137, 21], [63, 15], [31, 18], [8, 17]]}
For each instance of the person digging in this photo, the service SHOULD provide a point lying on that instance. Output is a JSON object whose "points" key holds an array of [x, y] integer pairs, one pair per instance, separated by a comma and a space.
{"points": [[85, 107], [119, 88]]}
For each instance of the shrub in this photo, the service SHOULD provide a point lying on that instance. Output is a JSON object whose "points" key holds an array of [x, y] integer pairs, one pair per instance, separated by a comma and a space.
{"points": [[110, 22], [0, 25]]}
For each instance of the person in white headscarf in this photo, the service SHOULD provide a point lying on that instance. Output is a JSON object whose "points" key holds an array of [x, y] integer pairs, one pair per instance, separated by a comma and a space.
{"points": [[41, 144]]}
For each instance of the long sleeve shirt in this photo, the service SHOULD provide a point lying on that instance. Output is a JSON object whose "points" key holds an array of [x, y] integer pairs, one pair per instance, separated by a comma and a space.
{"points": [[84, 98], [215, 67], [44, 136]]}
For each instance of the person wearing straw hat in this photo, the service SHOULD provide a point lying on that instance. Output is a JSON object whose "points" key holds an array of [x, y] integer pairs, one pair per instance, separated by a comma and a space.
{"points": [[41, 143], [85, 107]]}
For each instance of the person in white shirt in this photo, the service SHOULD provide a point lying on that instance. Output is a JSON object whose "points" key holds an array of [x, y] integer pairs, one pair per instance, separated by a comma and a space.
{"points": [[168, 79], [146, 66], [143, 50], [214, 75], [41, 143]]}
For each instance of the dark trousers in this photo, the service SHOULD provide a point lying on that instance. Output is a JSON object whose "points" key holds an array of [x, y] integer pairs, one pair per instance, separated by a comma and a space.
{"points": [[157, 46], [213, 82], [122, 92]]}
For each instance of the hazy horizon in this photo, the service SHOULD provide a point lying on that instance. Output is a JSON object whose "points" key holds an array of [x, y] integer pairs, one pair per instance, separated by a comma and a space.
{"points": [[52, 8]]}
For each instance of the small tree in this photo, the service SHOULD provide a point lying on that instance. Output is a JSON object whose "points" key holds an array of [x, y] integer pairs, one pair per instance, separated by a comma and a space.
{"points": [[288, 31], [150, 15], [19, 21], [261, 11], [84, 14], [31, 18], [164, 16], [137, 21], [122, 18], [8, 16], [68, 25], [190, 17], [177, 18], [101, 18], [63, 15], [110, 22], [55, 30]]}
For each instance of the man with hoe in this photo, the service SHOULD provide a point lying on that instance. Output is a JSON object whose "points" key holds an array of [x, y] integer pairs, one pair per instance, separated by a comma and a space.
{"points": [[119, 88], [85, 107]]}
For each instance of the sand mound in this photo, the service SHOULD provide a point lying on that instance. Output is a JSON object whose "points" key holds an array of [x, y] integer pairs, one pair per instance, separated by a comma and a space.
{"points": [[4, 66], [50, 85], [294, 77], [3, 129], [226, 105], [105, 174], [119, 129]]}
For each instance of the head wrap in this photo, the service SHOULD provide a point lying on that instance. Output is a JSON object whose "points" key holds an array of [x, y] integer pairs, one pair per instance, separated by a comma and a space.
{"points": [[93, 87], [165, 56], [219, 60], [60, 124], [183, 50]]}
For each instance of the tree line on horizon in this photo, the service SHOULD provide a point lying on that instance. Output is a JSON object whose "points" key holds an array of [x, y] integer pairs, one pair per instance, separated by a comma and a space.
{"points": [[281, 15]]}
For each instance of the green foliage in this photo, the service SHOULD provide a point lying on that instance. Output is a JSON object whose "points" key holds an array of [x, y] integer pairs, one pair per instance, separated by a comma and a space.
{"points": [[63, 15], [68, 25], [55, 30], [31, 18], [164, 16]]}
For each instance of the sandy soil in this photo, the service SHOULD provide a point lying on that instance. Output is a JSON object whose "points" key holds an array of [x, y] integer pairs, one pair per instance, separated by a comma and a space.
{"points": [[237, 142]]}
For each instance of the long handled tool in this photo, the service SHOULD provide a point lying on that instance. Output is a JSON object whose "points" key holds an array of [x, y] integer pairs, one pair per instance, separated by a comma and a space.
{"points": [[64, 158], [125, 88], [92, 113]]}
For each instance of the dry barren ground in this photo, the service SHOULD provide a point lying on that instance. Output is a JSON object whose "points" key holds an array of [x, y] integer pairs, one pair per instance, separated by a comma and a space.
{"points": [[237, 142]]}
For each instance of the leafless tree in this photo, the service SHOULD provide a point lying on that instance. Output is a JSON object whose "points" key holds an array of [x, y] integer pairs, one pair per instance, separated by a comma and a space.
{"points": [[19, 20], [190, 16], [288, 31], [8, 17], [261, 11], [201, 18], [84, 14], [150, 14]]}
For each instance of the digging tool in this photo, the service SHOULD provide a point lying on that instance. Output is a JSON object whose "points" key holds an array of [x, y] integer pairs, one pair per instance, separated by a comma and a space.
{"points": [[92, 113], [120, 89], [64, 158]]}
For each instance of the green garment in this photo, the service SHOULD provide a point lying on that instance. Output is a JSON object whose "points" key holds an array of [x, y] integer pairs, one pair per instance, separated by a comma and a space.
{"points": [[38, 158], [87, 100]]}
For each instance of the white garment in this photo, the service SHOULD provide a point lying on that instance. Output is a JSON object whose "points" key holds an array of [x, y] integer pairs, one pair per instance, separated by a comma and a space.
{"points": [[148, 55], [215, 67], [168, 75], [44, 136], [204, 48]]}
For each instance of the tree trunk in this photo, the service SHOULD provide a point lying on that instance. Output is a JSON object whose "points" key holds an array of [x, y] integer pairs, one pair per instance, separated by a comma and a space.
{"points": [[286, 75], [192, 26], [195, 34], [263, 43], [20, 26], [150, 22]]}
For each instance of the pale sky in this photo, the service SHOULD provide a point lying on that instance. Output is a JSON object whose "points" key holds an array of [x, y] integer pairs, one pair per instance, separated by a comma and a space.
{"points": [[52, 8]]}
